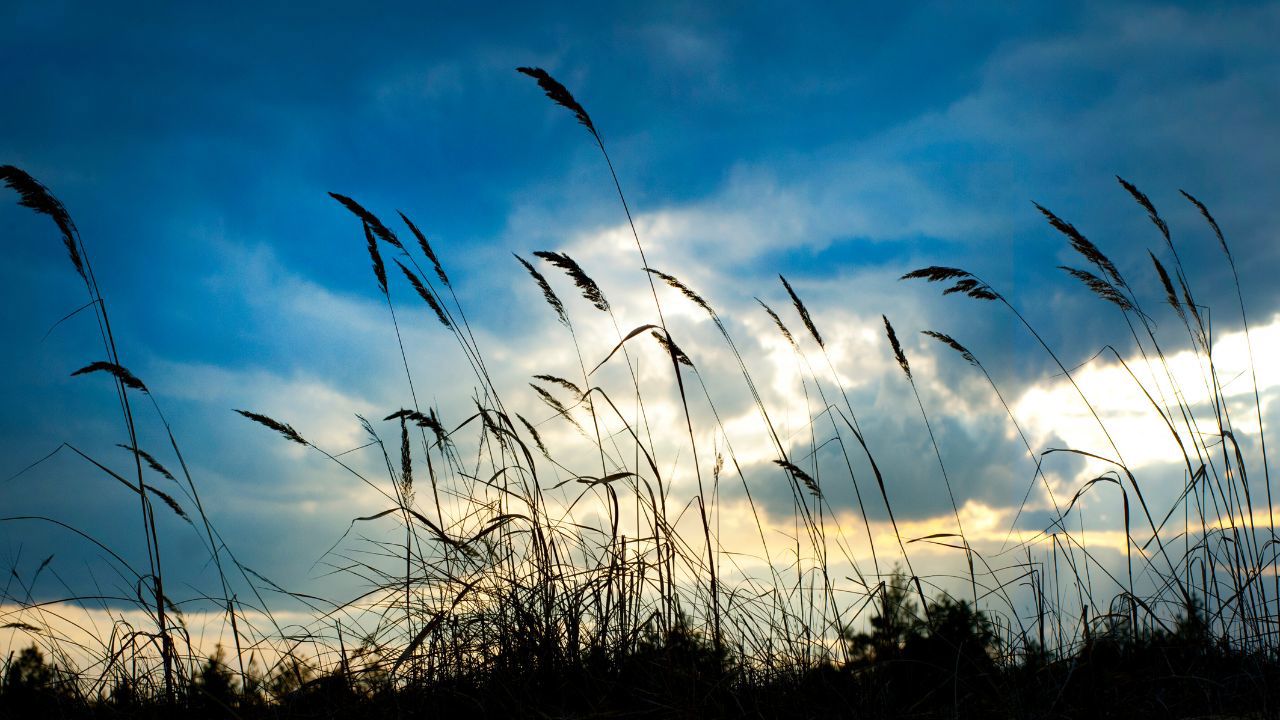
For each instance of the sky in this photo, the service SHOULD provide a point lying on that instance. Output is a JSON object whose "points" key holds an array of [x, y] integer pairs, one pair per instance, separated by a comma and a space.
{"points": [[838, 147]]}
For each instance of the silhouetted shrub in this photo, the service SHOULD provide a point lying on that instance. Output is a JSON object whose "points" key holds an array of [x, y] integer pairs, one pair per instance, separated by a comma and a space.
{"points": [[32, 687]]}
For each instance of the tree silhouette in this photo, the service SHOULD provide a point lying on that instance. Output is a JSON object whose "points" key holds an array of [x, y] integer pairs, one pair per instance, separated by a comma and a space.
{"points": [[892, 628], [32, 687], [214, 685]]}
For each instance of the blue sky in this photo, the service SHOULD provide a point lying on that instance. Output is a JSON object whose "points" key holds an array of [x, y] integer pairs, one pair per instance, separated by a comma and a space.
{"points": [[840, 147]]}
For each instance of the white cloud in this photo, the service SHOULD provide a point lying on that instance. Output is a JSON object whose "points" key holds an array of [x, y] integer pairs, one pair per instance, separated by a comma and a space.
{"points": [[1054, 407]]}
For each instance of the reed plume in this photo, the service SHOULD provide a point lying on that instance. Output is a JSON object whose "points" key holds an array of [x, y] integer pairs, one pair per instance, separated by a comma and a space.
{"points": [[369, 219], [804, 312], [566, 384], [898, 354], [406, 463], [120, 373], [685, 290], [151, 461], [1142, 199], [555, 405], [426, 249], [427, 296], [168, 500], [379, 270], [34, 195], [560, 95], [1217, 231], [590, 290], [547, 293], [279, 427], [966, 283], [801, 476], [953, 344], [777, 321], [1083, 245], [537, 439], [426, 420], [671, 348], [1171, 295], [1100, 287]]}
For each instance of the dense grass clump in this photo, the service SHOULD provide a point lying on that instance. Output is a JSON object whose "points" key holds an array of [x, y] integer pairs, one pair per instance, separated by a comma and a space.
{"points": [[556, 550]]}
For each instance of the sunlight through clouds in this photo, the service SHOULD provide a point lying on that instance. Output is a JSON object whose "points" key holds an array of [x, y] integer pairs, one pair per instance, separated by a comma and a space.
{"points": [[1124, 401]]}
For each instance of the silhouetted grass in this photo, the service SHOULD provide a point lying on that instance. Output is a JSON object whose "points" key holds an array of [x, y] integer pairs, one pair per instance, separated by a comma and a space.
{"points": [[502, 598]]}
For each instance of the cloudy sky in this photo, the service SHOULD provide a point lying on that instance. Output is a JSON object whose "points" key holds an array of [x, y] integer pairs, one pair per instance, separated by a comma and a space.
{"points": [[839, 148]]}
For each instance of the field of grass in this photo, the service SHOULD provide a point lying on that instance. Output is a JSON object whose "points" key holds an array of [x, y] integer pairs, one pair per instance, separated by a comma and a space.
{"points": [[571, 563]]}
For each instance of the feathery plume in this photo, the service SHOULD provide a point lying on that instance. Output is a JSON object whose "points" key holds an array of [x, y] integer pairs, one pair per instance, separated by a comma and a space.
{"points": [[547, 292], [151, 461], [804, 312], [431, 422], [426, 248], [1145, 202], [32, 194], [1100, 287], [559, 94], [1217, 231], [590, 290], [1083, 245], [555, 405], [427, 296], [1191, 304], [168, 500], [786, 333], [120, 373], [1170, 294], [537, 439], [556, 380], [279, 427], [406, 463], [936, 273], [801, 476], [428, 421], [379, 270], [671, 348], [967, 283], [685, 290], [951, 343], [900, 356], [369, 219]]}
